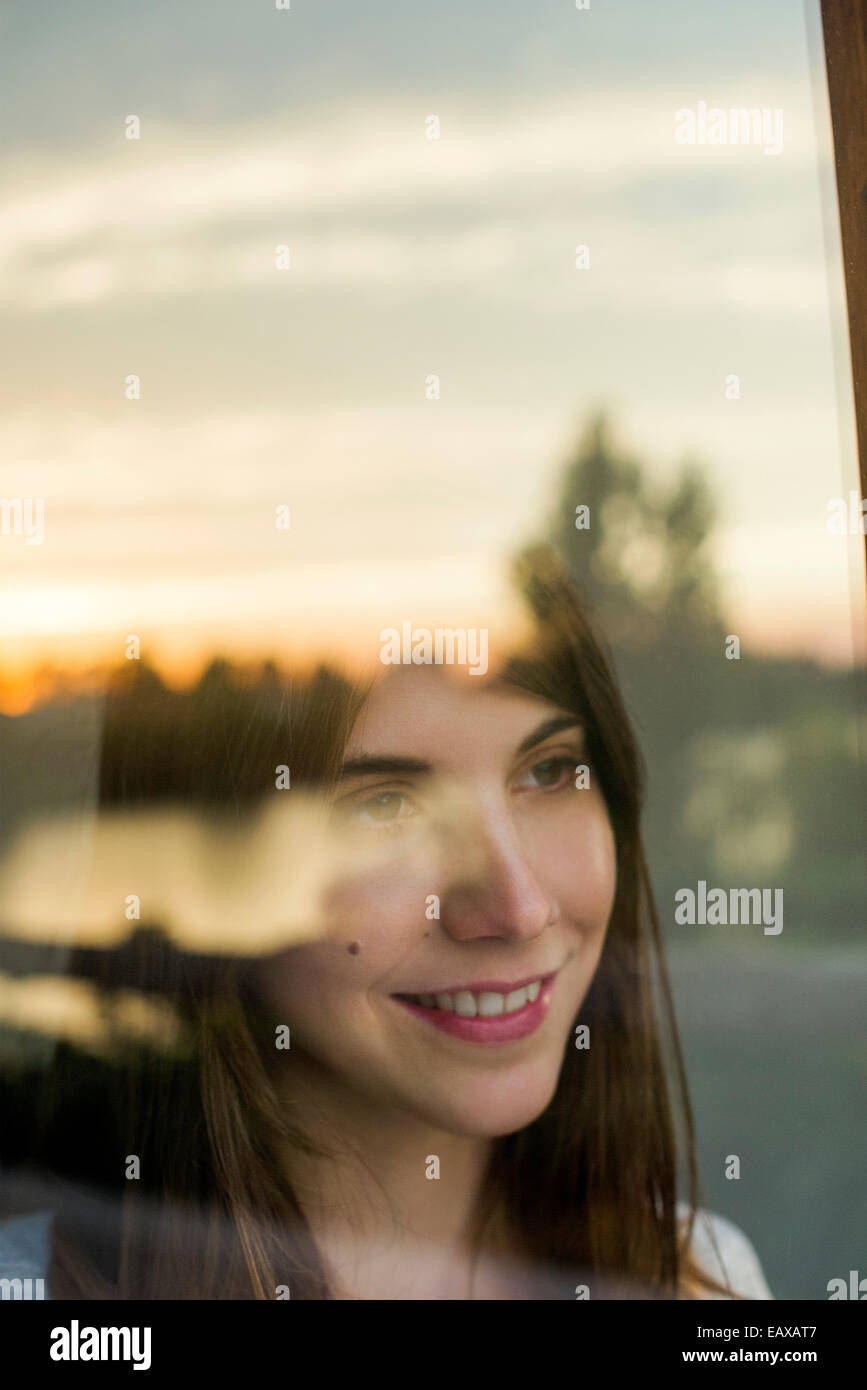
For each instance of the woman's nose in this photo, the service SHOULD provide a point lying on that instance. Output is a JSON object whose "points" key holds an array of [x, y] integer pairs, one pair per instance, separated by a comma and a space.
{"points": [[504, 897]]}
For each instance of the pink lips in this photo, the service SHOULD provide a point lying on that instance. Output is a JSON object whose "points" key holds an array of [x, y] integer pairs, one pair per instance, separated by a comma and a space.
{"points": [[504, 1028]]}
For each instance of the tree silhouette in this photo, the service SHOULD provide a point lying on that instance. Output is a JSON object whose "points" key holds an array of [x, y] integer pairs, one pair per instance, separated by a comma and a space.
{"points": [[636, 552]]}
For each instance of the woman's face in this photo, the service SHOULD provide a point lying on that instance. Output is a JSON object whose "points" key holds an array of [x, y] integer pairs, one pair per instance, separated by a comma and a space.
{"points": [[528, 903]]}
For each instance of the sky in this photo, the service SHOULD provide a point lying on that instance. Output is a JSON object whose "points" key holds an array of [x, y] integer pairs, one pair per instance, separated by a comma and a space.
{"points": [[409, 257]]}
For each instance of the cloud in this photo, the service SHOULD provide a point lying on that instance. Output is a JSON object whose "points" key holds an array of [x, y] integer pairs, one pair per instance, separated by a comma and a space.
{"points": [[365, 198]]}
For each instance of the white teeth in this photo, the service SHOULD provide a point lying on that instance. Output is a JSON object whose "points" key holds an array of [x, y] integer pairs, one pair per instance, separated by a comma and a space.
{"points": [[487, 1004], [491, 1005], [465, 1004], [516, 1000]]}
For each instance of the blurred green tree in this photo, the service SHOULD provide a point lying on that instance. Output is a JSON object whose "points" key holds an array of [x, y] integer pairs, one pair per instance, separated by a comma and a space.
{"points": [[637, 553]]}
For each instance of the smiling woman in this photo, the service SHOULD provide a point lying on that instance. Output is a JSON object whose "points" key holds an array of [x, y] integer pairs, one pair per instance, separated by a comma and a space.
{"points": [[534, 913], [475, 1102]]}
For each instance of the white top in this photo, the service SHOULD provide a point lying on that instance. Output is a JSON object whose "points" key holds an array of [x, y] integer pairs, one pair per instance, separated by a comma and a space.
{"points": [[719, 1246], [723, 1251]]}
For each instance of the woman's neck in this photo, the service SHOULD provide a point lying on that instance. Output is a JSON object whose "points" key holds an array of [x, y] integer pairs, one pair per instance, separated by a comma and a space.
{"points": [[390, 1200]]}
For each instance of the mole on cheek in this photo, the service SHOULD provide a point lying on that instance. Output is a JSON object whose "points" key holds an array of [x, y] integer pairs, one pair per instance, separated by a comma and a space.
{"points": [[354, 948]]}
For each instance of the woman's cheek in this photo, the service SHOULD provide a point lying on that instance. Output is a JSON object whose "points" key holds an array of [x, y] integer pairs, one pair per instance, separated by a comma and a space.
{"points": [[582, 864], [372, 921], [372, 925], [382, 911]]}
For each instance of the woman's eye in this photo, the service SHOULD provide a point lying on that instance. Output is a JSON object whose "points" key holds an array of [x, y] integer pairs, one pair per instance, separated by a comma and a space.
{"points": [[549, 773], [384, 809]]}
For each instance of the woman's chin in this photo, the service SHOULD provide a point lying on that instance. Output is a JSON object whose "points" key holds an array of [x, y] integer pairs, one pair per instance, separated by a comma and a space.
{"points": [[497, 1109]]}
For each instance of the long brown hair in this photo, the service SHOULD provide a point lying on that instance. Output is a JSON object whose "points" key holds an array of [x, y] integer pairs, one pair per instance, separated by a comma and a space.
{"points": [[588, 1190]]}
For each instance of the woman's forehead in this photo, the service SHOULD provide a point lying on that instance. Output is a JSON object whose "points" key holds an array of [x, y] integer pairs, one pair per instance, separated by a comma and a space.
{"points": [[425, 710]]}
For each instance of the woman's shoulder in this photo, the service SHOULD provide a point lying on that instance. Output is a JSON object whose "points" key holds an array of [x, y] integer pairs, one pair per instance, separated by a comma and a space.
{"points": [[718, 1246], [25, 1253], [724, 1252]]}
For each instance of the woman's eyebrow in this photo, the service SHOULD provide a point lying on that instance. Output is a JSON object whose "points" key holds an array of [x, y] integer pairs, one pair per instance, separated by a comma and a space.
{"points": [[550, 726], [383, 766]]}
